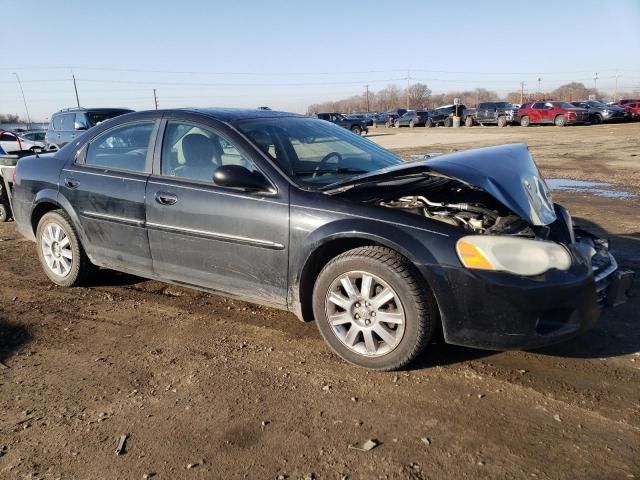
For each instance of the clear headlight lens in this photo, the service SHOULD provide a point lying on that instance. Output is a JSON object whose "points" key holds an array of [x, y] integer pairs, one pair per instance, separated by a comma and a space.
{"points": [[519, 256]]}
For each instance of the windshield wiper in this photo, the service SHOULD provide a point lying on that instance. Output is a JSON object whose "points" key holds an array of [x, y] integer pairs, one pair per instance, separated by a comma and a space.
{"points": [[331, 170]]}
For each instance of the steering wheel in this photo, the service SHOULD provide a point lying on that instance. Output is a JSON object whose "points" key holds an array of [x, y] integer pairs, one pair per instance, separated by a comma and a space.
{"points": [[324, 162]]}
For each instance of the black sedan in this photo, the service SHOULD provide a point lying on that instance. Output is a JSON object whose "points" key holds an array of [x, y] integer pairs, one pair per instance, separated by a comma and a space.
{"points": [[302, 215]]}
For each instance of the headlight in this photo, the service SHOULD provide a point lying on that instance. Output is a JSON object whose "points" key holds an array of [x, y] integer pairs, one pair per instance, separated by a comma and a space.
{"points": [[510, 254]]}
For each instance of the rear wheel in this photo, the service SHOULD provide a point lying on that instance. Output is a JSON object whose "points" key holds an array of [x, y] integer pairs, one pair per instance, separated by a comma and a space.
{"points": [[524, 121], [468, 122], [60, 252], [560, 121], [357, 130], [428, 123], [372, 309], [597, 119], [412, 124], [502, 121], [448, 122]]}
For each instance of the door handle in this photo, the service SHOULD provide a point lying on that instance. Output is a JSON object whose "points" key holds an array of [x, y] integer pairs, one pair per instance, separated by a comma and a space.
{"points": [[71, 182], [164, 198]]}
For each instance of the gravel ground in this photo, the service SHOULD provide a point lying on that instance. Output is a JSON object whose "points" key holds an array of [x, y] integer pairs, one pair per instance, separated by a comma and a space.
{"points": [[207, 387]]}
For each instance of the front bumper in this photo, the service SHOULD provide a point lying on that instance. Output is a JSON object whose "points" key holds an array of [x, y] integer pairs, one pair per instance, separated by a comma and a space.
{"points": [[500, 311]]}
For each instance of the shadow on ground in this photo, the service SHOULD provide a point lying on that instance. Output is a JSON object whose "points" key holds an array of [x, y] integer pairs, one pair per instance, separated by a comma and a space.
{"points": [[12, 337]]}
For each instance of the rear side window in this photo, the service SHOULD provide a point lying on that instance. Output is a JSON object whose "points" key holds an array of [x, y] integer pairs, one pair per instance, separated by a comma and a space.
{"points": [[67, 121], [538, 106], [122, 148], [56, 122]]}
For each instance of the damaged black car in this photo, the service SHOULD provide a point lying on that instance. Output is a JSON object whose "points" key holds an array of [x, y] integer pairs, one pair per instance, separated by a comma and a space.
{"points": [[299, 214]]}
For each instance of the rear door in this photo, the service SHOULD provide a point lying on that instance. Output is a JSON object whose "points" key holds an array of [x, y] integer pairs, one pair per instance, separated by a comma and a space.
{"points": [[537, 112], [224, 239], [106, 185]]}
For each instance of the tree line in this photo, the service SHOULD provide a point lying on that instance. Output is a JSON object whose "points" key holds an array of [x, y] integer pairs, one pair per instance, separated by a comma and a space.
{"points": [[419, 96]]}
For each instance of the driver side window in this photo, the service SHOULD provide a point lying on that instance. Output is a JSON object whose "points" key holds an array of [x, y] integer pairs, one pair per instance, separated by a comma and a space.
{"points": [[194, 152]]}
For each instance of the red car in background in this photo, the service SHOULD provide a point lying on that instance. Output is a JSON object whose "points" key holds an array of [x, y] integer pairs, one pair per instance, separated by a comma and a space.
{"points": [[554, 113], [633, 109], [626, 101]]}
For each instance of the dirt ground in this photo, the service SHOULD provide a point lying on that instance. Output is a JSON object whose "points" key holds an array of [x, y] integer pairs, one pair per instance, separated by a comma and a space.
{"points": [[206, 387]]}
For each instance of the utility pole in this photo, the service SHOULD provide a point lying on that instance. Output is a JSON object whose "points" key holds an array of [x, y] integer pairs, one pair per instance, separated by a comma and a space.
{"points": [[155, 98], [408, 78], [595, 80], [24, 99], [615, 95], [75, 87], [367, 88], [521, 93], [539, 86]]}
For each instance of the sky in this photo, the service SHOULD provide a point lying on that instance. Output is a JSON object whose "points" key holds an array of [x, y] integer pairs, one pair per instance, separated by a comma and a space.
{"points": [[289, 54]]}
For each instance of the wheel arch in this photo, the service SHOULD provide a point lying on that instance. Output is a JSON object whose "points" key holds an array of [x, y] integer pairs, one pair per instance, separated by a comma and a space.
{"points": [[330, 246], [47, 201]]}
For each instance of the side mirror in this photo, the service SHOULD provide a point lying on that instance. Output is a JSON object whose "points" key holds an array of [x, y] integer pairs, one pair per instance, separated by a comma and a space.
{"points": [[237, 176], [79, 126]]}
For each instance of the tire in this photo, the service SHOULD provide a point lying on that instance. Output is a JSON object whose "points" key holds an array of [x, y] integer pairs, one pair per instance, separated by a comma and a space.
{"points": [[80, 268], [448, 122], [412, 124], [524, 121], [560, 121], [411, 307], [356, 129], [468, 122], [428, 123], [4, 213], [597, 119], [502, 121]]}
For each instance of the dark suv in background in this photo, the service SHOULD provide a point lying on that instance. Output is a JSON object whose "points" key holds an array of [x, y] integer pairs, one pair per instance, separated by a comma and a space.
{"points": [[601, 112], [68, 123], [356, 125], [413, 118]]}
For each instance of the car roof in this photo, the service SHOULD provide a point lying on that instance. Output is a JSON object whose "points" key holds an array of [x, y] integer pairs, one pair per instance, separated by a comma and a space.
{"points": [[231, 114]]}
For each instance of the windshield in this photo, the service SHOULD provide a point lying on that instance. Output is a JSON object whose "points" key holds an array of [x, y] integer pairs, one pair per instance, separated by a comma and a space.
{"points": [[314, 153]]}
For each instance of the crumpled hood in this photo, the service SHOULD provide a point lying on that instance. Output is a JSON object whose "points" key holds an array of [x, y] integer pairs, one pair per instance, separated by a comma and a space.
{"points": [[506, 172]]}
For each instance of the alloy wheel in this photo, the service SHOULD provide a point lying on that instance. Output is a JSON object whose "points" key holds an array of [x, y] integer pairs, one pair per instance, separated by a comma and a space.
{"points": [[365, 313], [56, 249]]}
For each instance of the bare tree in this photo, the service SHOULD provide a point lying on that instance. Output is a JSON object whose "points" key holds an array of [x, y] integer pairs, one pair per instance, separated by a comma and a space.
{"points": [[388, 98], [419, 95]]}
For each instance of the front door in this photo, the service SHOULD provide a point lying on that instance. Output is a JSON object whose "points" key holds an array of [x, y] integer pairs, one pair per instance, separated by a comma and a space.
{"points": [[224, 239], [107, 185]]}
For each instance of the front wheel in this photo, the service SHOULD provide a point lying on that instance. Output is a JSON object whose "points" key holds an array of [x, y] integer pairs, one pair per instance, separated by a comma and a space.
{"points": [[357, 130], [4, 213], [372, 309], [61, 255], [468, 122], [524, 121], [560, 121], [502, 122], [448, 122], [412, 124], [428, 123]]}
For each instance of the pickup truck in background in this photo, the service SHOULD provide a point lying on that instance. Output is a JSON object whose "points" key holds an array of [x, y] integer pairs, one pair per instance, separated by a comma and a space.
{"points": [[357, 126], [444, 115], [498, 113]]}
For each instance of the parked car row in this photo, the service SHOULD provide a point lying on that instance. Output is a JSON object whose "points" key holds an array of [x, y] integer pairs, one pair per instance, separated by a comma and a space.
{"points": [[495, 113]]}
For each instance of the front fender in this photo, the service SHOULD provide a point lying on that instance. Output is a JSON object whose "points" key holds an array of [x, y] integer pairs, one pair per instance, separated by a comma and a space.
{"points": [[424, 248]]}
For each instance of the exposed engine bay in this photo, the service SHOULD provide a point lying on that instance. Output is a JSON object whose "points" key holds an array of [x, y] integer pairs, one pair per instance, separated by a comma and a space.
{"points": [[473, 209]]}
